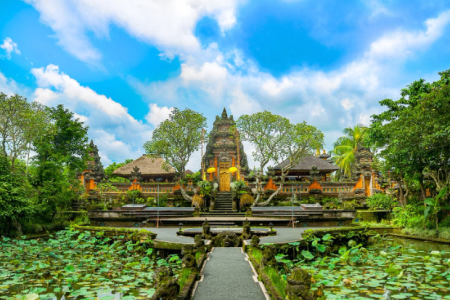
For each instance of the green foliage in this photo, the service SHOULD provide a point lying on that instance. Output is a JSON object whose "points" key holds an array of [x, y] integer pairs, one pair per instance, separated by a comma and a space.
{"points": [[114, 166], [345, 148], [413, 133], [277, 280], [183, 277], [276, 139], [381, 201], [21, 123], [81, 264], [176, 138], [17, 200], [404, 215]]}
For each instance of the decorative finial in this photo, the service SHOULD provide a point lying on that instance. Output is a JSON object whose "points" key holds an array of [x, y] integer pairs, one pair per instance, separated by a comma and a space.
{"points": [[224, 114]]}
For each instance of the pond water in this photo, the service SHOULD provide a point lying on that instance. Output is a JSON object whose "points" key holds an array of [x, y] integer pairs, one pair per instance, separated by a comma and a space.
{"points": [[392, 269], [78, 265]]}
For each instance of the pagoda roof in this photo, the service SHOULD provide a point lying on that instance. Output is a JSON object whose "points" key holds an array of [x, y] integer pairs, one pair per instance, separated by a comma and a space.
{"points": [[147, 166], [306, 164]]}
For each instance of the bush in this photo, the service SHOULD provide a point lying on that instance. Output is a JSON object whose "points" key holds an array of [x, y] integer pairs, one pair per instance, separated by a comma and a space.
{"points": [[406, 216], [381, 201]]}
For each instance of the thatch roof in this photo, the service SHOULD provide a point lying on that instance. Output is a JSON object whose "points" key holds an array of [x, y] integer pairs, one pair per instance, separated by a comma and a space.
{"points": [[306, 164], [147, 166]]}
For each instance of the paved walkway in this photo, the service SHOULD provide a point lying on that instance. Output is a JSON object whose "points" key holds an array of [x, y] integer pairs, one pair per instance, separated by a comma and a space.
{"points": [[227, 275], [287, 234], [169, 234], [284, 235]]}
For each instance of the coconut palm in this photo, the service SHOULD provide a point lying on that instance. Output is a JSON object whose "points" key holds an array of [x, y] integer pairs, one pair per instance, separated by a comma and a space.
{"points": [[345, 148]]}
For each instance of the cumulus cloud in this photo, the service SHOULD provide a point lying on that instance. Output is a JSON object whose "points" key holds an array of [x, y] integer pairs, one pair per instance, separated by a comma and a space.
{"points": [[167, 24], [329, 100], [117, 134], [402, 43], [9, 46], [7, 85], [157, 114]]}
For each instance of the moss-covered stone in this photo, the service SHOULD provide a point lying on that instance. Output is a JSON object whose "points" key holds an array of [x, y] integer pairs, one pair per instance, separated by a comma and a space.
{"points": [[188, 260], [255, 241], [299, 285], [268, 256], [167, 286]]}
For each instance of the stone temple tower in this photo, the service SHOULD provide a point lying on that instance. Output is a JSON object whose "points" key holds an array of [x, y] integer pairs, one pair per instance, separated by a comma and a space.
{"points": [[222, 152]]}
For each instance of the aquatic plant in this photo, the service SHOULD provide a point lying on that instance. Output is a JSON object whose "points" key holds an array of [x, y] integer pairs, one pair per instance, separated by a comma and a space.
{"points": [[73, 263]]}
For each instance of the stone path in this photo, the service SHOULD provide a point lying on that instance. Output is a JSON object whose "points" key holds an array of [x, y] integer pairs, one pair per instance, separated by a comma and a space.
{"points": [[287, 234], [169, 234], [227, 275], [284, 235]]}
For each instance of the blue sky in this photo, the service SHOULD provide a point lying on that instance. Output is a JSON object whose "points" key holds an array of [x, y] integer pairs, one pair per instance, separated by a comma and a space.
{"points": [[122, 65]]}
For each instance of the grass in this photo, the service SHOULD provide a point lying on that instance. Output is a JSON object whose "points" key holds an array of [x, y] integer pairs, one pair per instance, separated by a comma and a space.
{"points": [[257, 255], [183, 277], [277, 281], [444, 232], [197, 256]]}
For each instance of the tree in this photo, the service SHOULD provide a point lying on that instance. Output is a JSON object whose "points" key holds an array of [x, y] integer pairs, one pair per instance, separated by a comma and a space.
{"points": [[175, 139], [20, 123], [345, 148], [60, 151], [414, 132], [16, 200], [114, 166], [102, 190], [276, 139]]}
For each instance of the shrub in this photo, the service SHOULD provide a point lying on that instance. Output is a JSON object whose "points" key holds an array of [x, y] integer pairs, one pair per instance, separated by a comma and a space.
{"points": [[381, 201], [246, 200], [405, 215]]}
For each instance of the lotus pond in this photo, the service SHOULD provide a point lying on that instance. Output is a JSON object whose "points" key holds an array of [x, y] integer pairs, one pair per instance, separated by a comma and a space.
{"points": [[392, 268], [72, 264]]}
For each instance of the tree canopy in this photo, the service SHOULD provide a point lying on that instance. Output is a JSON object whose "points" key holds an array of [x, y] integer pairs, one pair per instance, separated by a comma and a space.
{"points": [[276, 140], [176, 138]]}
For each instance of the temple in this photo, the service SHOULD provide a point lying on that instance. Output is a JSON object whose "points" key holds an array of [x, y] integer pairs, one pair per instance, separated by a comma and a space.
{"points": [[223, 152], [225, 161]]}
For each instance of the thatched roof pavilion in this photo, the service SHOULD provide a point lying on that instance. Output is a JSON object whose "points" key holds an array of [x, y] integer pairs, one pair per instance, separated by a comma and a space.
{"points": [[149, 167]]}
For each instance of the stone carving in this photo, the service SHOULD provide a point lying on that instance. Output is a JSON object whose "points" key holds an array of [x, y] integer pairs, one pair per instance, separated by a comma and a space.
{"points": [[167, 286], [188, 260], [314, 174], [255, 241], [268, 256], [246, 230], [227, 239], [199, 244], [135, 174], [206, 230], [299, 285]]}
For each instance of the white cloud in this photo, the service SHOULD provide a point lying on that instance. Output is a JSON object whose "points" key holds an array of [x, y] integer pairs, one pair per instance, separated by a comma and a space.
{"points": [[157, 114], [7, 85], [329, 100], [377, 7], [347, 104], [402, 43], [9, 46], [117, 134], [168, 24]]}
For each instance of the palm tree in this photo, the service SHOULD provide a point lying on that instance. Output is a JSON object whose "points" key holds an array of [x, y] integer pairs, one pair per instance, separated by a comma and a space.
{"points": [[345, 149]]}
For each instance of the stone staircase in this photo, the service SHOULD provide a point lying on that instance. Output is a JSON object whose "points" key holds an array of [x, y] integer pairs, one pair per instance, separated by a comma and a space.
{"points": [[224, 203]]}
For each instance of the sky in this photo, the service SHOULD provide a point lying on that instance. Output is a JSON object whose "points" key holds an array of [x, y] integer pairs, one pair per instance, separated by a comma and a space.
{"points": [[122, 65]]}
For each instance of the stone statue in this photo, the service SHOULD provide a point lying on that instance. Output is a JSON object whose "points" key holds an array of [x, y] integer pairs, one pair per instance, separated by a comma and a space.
{"points": [[255, 241], [227, 239], [188, 260], [167, 286], [200, 244], [246, 230], [299, 285], [206, 232]]}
